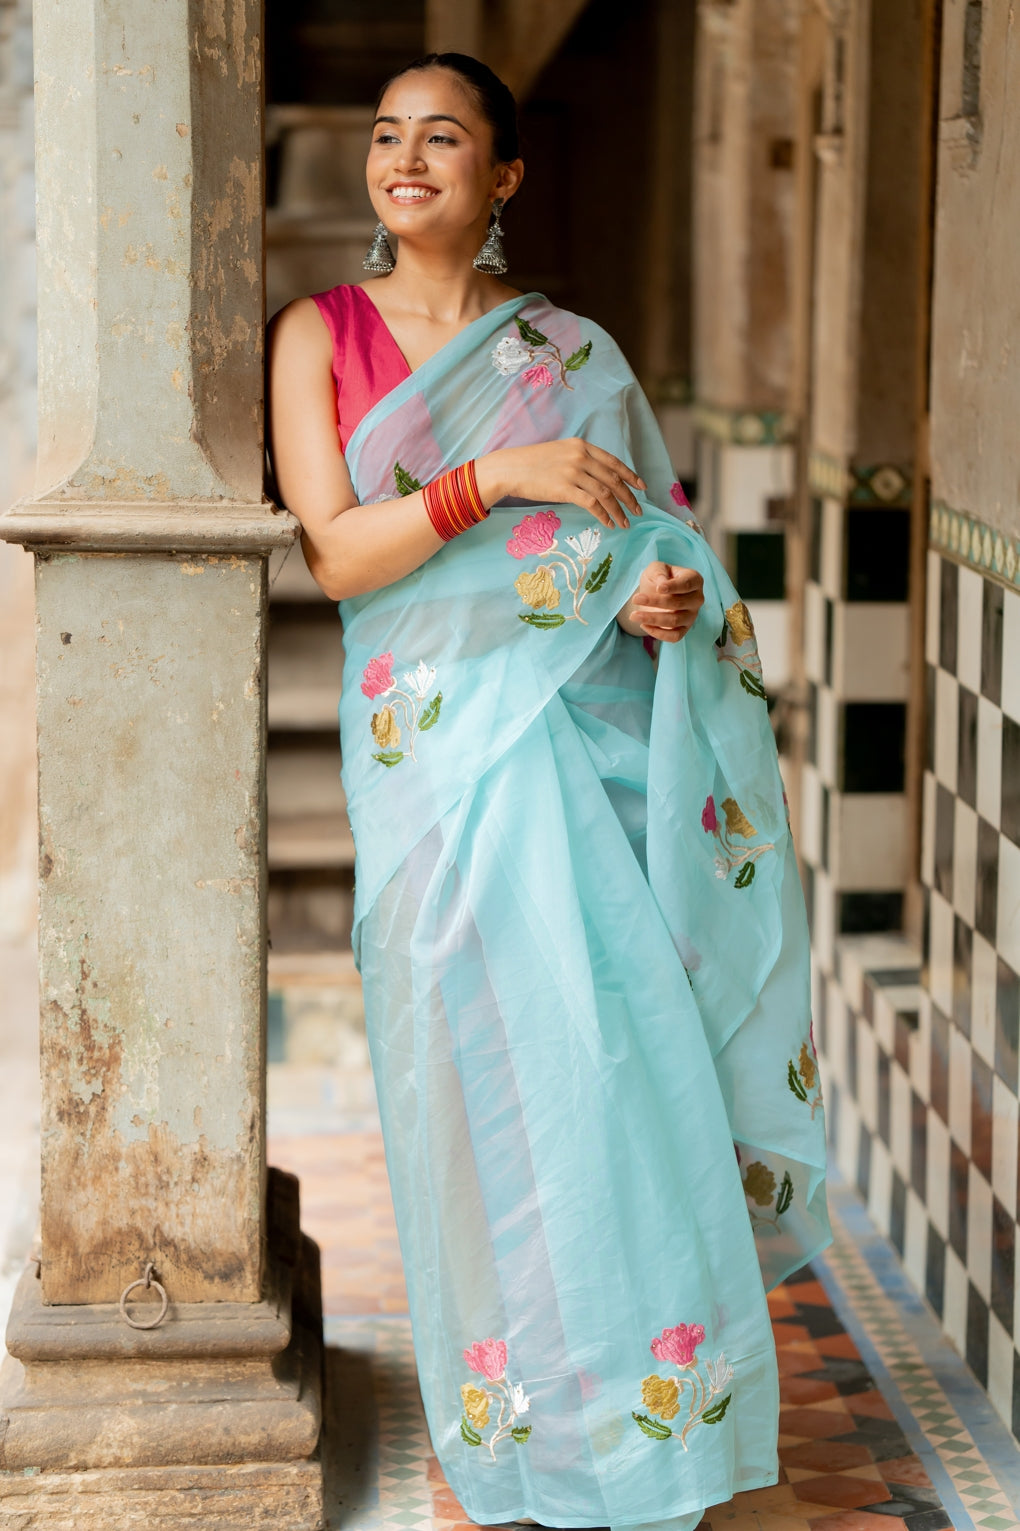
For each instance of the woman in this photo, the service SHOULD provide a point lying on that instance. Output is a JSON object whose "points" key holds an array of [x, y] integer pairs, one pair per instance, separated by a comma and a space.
{"points": [[578, 918]]}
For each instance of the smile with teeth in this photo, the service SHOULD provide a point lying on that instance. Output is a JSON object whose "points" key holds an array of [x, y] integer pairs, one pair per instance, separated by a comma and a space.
{"points": [[412, 193]]}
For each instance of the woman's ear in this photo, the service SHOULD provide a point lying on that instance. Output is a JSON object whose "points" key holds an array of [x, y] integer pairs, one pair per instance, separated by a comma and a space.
{"points": [[508, 179]]}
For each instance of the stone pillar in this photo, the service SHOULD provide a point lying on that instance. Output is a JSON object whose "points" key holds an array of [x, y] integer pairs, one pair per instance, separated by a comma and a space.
{"points": [[743, 254], [151, 537], [862, 600]]}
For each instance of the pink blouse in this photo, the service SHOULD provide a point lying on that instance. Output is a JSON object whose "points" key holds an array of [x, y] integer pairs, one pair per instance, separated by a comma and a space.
{"points": [[367, 362]]}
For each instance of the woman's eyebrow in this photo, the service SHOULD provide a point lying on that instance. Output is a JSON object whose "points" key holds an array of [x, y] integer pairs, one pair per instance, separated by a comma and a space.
{"points": [[433, 117]]}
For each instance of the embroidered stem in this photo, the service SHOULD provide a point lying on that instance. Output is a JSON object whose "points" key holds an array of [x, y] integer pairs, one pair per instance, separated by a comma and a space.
{"points": [[410, 712]]}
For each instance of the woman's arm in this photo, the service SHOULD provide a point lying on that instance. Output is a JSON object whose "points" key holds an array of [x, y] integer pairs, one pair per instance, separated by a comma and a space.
{"points": [[352, 549]]}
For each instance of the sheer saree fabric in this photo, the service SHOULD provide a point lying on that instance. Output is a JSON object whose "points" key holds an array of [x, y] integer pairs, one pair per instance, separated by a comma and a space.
{"points": [[582, 940]]}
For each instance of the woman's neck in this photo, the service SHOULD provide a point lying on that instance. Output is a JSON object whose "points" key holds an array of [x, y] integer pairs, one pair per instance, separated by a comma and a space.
{"points": [[442, 287]]}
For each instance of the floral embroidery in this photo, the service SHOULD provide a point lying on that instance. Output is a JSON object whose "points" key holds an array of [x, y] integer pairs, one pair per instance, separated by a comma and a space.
{"points": [[538, 588], [488, 1358], [406, 482], [729, 855], [737, 633], [802, 1076], [532, 350], [412, 706], [760, 1188], [664, 1397], [679, 497]]}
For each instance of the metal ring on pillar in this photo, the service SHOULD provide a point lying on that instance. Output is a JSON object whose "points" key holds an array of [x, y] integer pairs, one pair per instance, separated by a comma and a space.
{"points": [[148, 1280]]}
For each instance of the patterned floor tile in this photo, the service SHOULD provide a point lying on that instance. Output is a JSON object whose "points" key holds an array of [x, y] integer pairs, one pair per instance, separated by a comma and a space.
{"points": [[846, 1463]]}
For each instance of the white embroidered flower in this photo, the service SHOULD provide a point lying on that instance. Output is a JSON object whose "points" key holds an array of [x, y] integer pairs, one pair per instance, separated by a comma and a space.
{"points": [[719, 1373], [421, 680], [721, 868], [510, 356], [587, 542], [520, 1403]]}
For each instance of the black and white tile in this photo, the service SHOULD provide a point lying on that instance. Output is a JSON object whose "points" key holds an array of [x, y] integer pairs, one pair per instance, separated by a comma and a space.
{"points": [[920, 1049]]}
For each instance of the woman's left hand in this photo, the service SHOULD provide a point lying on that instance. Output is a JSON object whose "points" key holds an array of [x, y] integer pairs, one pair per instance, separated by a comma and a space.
{"points": [[665, 604]]}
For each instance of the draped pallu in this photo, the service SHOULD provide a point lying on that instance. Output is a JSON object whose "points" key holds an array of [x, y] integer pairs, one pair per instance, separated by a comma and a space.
{"points": [[585, 959]]}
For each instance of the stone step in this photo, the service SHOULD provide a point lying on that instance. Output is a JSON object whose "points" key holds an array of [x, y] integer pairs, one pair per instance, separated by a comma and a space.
{"points": [[303, 777], [320, 159], [311, 840], [305, 666]]}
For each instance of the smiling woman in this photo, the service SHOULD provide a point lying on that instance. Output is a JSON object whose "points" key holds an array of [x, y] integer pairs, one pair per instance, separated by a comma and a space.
{"points": [[587, 1002]]}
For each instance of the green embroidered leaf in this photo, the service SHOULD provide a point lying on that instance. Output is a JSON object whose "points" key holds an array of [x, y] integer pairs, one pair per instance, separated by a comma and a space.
{"points": [[745, 877], [430, 717], [406, 482], [520, 1433], [542, 618], [389, 757], [750, 682], [720, 642], [529, 334], [793, 1079], [713, 1415], [468, 1433], [785, 1196], [597, 578], [653, 1428], [578, 358]]}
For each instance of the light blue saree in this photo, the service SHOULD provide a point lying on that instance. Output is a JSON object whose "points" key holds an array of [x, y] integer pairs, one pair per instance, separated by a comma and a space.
{"points": [[585, 961]]}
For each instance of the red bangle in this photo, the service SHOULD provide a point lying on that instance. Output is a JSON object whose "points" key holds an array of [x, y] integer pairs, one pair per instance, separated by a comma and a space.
{"points": [[453, 502]]}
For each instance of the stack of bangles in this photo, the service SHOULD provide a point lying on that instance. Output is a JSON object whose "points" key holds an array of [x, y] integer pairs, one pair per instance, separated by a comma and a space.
{"points": [[453, 502]]}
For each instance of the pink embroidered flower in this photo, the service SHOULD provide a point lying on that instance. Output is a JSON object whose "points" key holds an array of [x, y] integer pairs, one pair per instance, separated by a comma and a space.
{"points": [[709, 822], [678, 1345], [535, 534], [538, 377], [378, 676], [489, 1358], [676, 493]]}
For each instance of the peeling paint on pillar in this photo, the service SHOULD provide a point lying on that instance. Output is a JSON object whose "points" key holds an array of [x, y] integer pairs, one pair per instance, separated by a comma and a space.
{"points": [[150, 270], [151, 735]]}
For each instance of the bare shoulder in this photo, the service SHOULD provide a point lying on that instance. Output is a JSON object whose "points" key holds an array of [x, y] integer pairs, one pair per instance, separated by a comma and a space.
{"points": [[299, 329]]}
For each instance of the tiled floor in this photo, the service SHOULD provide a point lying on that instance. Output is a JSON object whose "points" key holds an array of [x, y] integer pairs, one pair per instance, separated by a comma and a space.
{"points": [[875, 1432]]}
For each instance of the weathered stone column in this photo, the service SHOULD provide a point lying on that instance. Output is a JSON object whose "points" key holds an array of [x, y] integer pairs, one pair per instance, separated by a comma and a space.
{"points": [[151, 536]]}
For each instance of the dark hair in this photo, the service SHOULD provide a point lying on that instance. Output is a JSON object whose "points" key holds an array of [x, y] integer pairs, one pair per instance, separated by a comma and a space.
{"points": [[492, 98]]}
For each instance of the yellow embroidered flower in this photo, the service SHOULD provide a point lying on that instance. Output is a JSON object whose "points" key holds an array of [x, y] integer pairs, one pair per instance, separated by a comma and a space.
{"points": [[476, 1405], [386, 729], [737, 821], [760, 1184], [808, 1071], [738, 620], [538, 589], [660, 1395]]}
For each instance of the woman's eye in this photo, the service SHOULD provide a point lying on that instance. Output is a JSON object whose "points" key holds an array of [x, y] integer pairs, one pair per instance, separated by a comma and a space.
{"points": [[386, 138], [441, 138]]}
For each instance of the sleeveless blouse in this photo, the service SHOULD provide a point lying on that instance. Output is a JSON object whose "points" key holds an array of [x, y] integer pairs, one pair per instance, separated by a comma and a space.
{"points": [[367, 362]]}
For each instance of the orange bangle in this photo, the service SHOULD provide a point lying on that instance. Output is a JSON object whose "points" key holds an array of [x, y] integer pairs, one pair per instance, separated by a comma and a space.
{"points": [[453, 502]]}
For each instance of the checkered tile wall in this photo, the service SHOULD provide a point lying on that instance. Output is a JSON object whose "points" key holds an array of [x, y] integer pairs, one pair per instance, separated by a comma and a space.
{"points": [[920, 1050]]}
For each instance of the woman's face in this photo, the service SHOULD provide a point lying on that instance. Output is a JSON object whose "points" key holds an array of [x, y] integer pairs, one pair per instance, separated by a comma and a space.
{"points": [[430, 168]]}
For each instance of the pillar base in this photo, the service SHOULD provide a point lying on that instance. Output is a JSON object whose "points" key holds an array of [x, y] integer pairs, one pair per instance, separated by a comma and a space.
{"points": [[210, 1420], [229, 1498]]}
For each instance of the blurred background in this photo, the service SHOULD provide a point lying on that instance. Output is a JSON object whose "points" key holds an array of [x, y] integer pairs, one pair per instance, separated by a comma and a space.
{"points": [[799, 219]]}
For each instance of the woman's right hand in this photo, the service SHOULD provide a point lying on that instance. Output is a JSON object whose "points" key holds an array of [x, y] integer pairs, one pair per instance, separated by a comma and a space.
{"points": [[571, 472]]}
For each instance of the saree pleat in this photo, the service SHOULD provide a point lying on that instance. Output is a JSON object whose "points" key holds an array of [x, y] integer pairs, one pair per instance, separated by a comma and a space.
{"points": [[588, 1018]]}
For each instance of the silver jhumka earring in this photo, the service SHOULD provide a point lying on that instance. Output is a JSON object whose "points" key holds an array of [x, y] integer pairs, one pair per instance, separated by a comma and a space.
{"points": [[491, 258], [380, 257]]}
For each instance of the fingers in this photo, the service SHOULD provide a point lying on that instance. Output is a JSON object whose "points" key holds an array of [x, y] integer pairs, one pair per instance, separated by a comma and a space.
{"points": [[600, 499], [616, 466]]}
